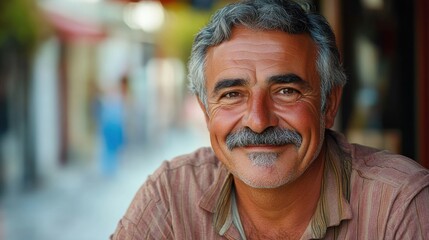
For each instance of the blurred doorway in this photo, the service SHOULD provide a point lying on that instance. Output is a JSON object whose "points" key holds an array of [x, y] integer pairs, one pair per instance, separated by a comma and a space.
{"points": [[379, 101]]}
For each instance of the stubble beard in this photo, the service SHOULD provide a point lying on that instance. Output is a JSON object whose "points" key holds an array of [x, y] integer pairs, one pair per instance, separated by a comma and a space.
{"points": [[265, 160], [269, 159]]}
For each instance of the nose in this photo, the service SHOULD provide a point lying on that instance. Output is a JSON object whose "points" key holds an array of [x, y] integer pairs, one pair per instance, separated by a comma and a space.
{"points": [[259, 115]]}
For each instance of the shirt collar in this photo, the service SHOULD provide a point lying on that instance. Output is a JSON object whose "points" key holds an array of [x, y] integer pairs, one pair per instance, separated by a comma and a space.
{"points": [[210, 198], [333, 206], [217, 200]]}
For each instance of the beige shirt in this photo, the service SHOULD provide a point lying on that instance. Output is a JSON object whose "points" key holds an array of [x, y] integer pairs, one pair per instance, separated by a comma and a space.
{"points": [[366, 194]]}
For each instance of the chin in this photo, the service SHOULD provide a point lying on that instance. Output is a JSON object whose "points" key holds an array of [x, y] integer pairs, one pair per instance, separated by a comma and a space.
{"points": [[267, 182]]}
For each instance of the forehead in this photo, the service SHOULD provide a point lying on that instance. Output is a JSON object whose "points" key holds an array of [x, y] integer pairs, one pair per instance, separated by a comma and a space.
{"points": [[258, 52]]}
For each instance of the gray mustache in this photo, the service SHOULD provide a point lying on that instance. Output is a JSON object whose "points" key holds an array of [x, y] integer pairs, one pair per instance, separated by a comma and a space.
{"points": [[271, 136]]}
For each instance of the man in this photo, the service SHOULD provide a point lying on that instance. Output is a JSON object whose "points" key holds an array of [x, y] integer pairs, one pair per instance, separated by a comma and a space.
{"points": [[268, 77]]}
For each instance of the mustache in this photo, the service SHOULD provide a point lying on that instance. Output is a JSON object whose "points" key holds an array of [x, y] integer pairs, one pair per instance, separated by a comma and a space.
{"points": [[271, 136]]}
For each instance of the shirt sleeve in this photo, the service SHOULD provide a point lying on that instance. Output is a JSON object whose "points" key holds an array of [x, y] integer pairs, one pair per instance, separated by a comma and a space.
{"points": [[147, 216], [411, 220]]}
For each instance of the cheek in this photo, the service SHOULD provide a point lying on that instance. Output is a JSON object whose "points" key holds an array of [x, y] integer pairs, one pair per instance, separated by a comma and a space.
{"points": [[302, 117], [307, 121], [222, 121]]}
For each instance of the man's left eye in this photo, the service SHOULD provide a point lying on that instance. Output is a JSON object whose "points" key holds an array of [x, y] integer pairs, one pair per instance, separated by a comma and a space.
{"points": [[288, 91], [288, 95]]}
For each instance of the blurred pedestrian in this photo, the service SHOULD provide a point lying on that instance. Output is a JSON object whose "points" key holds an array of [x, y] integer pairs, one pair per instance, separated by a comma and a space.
{"points": [[110, 108]]}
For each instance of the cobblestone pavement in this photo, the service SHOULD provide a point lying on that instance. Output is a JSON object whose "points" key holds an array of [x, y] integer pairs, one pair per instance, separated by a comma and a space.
{"points": [[77, 202]]}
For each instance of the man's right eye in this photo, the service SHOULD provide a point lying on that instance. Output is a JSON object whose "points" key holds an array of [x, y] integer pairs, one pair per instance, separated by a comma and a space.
{"points": [[231, 95]]}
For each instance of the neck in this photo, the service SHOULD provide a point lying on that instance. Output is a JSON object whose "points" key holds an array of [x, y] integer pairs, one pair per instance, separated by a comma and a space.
{"points": [[288, 208]]}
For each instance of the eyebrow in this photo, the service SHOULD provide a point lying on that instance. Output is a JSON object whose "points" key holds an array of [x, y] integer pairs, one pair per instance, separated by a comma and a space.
{"points": [[287, 78], [226, 83], [277, 79]]}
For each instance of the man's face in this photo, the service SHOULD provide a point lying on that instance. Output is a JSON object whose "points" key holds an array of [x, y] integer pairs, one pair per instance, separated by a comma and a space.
{"points": [[259, 81]]}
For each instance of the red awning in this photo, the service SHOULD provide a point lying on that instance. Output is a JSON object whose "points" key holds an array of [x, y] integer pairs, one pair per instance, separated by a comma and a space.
{"points": [[71, 29]]}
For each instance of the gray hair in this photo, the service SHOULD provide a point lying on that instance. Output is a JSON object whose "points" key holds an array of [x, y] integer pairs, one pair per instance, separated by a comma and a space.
{"points": [[280, 15]]}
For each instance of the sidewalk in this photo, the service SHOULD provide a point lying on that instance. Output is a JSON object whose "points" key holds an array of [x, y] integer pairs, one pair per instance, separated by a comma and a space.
{"points": [[79, 203]]}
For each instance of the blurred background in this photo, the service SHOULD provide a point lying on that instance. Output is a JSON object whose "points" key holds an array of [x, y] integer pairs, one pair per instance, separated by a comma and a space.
{"points": [[93, 97]]}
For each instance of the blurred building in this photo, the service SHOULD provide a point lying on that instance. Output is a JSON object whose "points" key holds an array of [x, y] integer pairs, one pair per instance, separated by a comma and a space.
{"points": [[385, 50], [58, 65], [75, 59]]}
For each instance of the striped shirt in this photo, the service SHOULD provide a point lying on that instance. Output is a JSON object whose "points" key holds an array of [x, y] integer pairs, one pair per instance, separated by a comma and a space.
{"points": [[366, 194]]}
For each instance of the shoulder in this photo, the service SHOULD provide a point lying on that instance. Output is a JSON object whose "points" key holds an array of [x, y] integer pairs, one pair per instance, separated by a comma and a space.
{"points": [[381, 166], [387, 191], [385, 167], [202, 160], [170, 196], [392, 190], [185, 176]]}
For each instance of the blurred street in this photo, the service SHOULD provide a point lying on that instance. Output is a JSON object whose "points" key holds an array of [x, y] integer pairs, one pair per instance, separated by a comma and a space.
{"points": [[94, 96], [77, 202]]}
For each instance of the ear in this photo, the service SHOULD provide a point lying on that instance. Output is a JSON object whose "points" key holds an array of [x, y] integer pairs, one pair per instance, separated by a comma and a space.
{"points": [[203, 108], [332, 104]]}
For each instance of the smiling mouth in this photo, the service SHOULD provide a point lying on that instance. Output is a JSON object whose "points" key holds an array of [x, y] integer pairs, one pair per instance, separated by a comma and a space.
{"points": [[263, 147]]}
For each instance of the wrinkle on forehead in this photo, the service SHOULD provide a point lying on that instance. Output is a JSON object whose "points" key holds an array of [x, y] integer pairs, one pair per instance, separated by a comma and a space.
{"points": [[245, 43], [257, 50], [270, 38]]}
